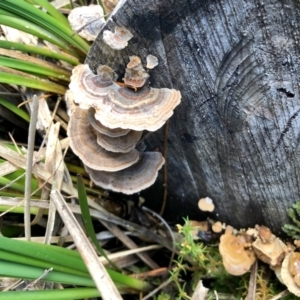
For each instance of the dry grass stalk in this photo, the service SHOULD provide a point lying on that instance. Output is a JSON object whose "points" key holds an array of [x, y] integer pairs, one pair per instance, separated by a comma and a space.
{"points": [[100, 276], [29, 165]]}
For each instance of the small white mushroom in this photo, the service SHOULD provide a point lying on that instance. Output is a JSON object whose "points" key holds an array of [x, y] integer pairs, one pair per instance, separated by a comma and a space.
{"points": [[152, 61], [119, 39]]}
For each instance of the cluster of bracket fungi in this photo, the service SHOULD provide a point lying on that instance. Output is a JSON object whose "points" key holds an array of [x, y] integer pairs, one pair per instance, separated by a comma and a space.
{"points": [[240, 249], [107, 121]]}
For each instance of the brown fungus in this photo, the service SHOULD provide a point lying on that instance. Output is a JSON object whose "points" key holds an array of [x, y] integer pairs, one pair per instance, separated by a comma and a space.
{"points": [[290, 272], [133, 179], [83, 141], [119, 39], [135, 74], [87, 20], [269, 248], [217, 227], [206, 204], [236, 259]]}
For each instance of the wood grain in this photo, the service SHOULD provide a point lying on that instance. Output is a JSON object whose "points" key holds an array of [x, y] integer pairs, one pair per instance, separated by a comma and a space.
{"points": [[235, 136]]}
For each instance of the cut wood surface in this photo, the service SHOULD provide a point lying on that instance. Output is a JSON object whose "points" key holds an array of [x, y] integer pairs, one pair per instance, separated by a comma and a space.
{"points": [[235, 136]]}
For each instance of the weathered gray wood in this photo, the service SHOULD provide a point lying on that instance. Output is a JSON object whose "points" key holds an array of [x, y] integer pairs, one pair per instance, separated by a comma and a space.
{"points": [[235, 137]]}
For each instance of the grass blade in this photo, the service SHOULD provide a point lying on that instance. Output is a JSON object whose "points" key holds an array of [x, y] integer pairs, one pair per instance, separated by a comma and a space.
{"points": [[35, 15], [38, 31], [65, 294], [34, 68], [52, 11], [39, 51], [11, 269], [33, 83], [16, 110], [87, 220]]}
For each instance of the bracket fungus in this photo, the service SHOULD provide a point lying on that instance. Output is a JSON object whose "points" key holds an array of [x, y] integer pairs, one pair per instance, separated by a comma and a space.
{"points": [[290, 272], [116, 132], [145, 109], [119, 39], [269, 248], [236, 259], [131, 180], [121, 107], [109, 120], [87, 20], [83, 142], [123, 144], [88, 88]]}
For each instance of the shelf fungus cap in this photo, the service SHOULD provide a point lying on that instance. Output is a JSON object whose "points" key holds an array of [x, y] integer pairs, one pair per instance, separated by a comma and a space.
{"points": [[206, 204], [144, 109], [119, 39], [272, 252], [152, 61], [87, 21], [135, 75], [88, 88], [83, 141], [116, 132], [133, 179], [123, 144], [290, 272], [236, 259]]}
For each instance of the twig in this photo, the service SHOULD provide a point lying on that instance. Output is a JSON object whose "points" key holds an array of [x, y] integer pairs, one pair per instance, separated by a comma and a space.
{"points": [[165, 169], [99, 274], [29, 164], [252, 282], [281, 295], [98, 215], [46, 272], [14, 142], [164, 284], [130, 244], [154, 214]]}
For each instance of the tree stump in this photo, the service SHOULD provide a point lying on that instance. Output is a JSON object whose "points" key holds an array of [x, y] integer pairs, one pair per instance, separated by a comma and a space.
{"points": [[235, 136]]}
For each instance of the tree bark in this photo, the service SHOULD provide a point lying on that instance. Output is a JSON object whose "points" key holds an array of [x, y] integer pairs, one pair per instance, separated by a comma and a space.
{"points": [[235, 136]]}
